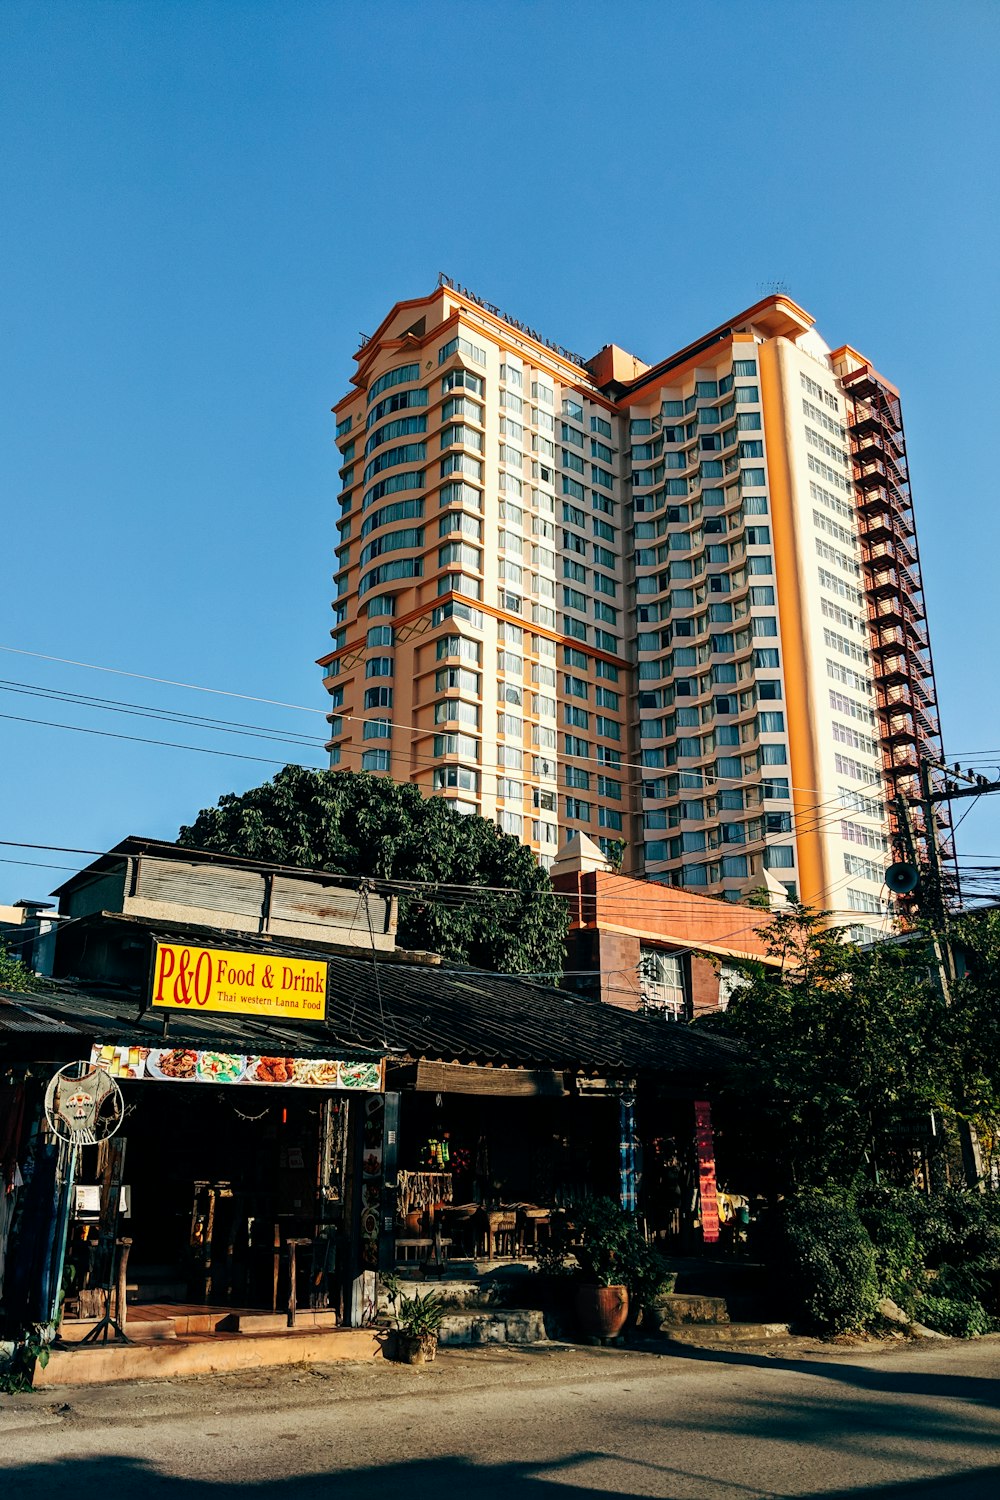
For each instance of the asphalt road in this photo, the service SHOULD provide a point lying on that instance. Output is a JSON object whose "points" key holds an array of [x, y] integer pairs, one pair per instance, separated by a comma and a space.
{"points": [[913, 1421]]}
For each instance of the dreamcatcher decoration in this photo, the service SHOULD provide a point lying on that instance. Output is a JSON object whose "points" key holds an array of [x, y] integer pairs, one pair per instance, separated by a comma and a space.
{"points": [[83, 1104]]}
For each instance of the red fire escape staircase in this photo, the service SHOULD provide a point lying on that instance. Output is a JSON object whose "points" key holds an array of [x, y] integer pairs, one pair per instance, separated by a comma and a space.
{"points": [[903, 668]]}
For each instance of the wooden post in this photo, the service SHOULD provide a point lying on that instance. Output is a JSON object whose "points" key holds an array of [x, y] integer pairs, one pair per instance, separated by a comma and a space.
{"points": [[121, 1290], [277, 1266]]}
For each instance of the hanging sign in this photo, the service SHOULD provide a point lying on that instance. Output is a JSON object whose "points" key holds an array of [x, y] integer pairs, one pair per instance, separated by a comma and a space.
{"points": [[83, 1105], [191, 1065], [193, 979], [705, 1147]]}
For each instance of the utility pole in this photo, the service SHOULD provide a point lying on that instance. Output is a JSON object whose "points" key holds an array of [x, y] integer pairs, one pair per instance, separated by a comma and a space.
{"points": [[936, 909]]}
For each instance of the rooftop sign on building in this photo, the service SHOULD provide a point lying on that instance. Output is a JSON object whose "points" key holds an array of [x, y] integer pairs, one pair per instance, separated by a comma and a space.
{"points": [[193, 979]]}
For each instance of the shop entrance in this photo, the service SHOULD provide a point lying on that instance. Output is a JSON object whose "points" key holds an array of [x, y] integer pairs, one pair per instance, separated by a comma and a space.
{"points": [[226, 1190], [487, 1177]]}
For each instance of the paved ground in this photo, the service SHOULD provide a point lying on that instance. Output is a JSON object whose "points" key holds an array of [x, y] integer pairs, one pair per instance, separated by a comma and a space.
{"points": [[897, 1421]]}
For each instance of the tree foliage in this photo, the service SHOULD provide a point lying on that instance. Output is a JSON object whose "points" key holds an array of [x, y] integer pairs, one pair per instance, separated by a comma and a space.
{"points": [[15, 975], [350, 823], [842, 1043]]}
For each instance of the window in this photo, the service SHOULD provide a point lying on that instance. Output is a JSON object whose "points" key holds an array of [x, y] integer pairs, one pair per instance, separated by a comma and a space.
{"points": [[578, 717], [378, 666], [454, 710], [577, 810], [779, 856], [375, 760], [577, 777], [456, 677], [456, 776], [461, 554], [457, 521], [461, 346], [459, 583], [456, 744], [408, 453], [609, 817], [576, 746], [458, 380], [399, 376], [457, 645], [461, 463], [378, 697]]}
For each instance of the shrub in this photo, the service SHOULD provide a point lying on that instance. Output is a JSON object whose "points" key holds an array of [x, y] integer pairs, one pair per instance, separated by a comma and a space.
{"points": [[826, 1261], [960, 1320], [898, 1264]]}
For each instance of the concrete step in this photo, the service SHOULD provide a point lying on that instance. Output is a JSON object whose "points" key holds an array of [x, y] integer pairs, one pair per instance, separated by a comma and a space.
{"points": [[493, 1325], [265, 1322], [205, 1354], [725, 1333], [691, 1307]]}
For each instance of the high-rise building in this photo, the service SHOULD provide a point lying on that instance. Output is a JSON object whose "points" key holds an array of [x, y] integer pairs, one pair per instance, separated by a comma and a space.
{"points": [[674, 606]]}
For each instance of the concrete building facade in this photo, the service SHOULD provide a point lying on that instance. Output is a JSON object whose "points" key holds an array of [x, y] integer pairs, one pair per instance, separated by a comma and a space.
{"points": [[674, 607]]}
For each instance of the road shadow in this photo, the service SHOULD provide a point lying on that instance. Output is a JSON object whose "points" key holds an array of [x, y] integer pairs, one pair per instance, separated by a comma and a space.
{"points": [[890, 1380], [450, 1477], [430, 1479]]}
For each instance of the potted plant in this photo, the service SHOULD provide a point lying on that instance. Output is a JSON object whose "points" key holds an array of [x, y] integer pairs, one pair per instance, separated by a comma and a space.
{"points": [[604, 1238], [417, 1321]]}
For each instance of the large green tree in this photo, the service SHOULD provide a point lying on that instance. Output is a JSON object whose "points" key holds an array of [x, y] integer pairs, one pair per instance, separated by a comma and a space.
{"points": [[353, 824], [844, 1044]]}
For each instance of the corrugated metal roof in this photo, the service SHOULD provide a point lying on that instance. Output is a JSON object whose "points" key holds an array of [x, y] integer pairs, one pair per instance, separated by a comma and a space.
{"points": [[17, 1016], [411, 1009]]}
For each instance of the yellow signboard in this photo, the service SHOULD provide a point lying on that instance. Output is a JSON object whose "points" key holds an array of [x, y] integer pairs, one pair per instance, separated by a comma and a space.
{"points": [[249, 984]]}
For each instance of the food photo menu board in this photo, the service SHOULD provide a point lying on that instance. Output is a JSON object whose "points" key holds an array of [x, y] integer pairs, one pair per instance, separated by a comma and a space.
{"points": [[189, 1065]]}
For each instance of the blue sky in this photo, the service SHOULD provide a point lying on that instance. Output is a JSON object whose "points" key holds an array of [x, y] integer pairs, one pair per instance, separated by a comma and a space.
{"points": [[204, 203]]}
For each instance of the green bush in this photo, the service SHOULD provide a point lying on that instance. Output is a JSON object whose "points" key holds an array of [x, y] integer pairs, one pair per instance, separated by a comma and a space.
{"points": [[956, 1227], [960, 1320], [826, 1263], [898, 1263]]}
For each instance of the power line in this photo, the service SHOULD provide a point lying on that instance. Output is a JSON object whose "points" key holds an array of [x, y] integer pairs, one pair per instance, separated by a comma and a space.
{"points": [[136, 739], [164, 681], [411, 729], [145, 710]]}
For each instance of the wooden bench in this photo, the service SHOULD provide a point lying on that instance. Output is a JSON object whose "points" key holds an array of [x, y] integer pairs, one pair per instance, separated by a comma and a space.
{"points": [[426, 1245]]}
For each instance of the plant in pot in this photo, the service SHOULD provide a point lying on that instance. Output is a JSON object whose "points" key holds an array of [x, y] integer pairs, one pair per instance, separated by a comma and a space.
{"points": [[605, 1244], [417, 1322]]}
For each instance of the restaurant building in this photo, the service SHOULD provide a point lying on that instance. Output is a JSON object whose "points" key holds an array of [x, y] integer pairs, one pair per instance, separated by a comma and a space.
{"points": [[303, 1107]]}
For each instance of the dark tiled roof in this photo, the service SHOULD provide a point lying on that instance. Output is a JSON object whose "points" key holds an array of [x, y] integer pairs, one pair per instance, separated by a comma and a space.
{"points": [[411, 1009]]}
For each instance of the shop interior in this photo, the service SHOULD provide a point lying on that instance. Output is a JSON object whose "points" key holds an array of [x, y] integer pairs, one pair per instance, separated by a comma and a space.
{"points": [[492, 1178], [223, 1188]]}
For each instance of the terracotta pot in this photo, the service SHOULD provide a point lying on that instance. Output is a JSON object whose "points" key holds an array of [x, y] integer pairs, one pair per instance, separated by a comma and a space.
{"points": [[416, 1348], [602, 1310]]}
